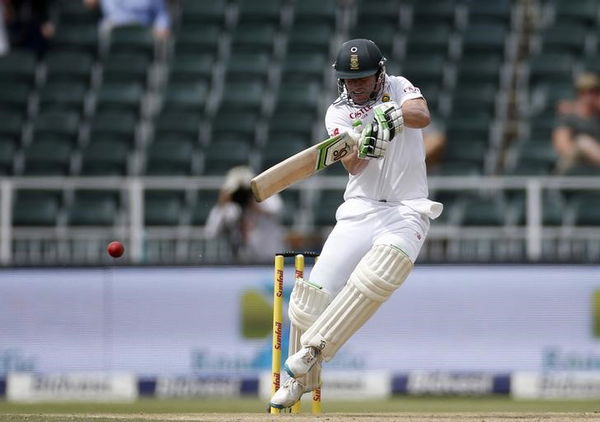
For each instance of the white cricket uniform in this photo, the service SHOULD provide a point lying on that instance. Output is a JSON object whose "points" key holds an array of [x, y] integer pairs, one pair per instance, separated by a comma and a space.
{"points": [[386, 203]]}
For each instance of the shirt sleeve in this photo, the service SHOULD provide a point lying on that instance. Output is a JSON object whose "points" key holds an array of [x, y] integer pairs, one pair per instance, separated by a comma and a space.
{"points": [[407, 91], [336, 121]]}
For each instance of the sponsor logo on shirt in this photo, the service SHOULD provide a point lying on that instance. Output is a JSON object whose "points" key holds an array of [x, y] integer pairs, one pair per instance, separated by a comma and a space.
{"points": [[362, 112], [412, 90]]}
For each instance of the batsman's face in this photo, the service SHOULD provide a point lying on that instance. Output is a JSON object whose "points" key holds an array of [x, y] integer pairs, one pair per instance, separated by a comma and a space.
{"points": [[360, 89]]}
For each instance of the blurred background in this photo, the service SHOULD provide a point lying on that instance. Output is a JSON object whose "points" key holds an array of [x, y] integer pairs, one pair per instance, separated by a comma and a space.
{"points": [[140, 121]]}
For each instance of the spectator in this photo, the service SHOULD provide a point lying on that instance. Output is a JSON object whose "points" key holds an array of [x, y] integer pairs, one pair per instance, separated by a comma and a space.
{"points": [[576, 137], [29, 24], [152, 13], [252, 229]]}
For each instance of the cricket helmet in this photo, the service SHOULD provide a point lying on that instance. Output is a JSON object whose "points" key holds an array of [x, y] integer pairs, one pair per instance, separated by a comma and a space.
{"points": [[358, 58]]}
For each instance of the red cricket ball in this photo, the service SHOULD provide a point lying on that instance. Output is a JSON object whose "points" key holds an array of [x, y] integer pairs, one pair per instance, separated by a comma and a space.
{"points": [[115, 249]]}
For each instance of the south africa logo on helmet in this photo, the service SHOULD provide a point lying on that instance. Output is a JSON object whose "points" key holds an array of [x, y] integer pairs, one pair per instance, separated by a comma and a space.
{"points": [[358, 58]]}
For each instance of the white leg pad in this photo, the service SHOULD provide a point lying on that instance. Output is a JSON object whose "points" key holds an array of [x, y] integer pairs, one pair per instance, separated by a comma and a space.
{"points": [[379, 273], [307, 302]]}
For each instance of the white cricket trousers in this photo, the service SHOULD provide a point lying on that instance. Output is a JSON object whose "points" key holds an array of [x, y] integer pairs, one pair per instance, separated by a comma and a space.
{"points": [[361, 224]]}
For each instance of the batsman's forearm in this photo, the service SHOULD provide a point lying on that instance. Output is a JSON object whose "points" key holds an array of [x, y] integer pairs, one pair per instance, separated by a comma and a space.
{"points": [[353, 164], [416, 114]]}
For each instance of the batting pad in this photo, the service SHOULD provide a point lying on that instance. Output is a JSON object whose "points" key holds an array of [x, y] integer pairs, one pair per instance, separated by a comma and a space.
{"points": [[307, 302], [378, 274]]}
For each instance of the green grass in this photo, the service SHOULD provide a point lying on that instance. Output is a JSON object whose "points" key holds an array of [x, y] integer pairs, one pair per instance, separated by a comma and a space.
{"points": [[395, 405]]}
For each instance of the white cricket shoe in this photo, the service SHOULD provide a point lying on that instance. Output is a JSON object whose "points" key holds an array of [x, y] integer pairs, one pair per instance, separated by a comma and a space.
{"points": [[289, 393], [301, 362]]}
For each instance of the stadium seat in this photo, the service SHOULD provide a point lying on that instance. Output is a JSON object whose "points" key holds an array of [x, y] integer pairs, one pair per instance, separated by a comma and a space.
{"points": [[222, 156], [424, 40], [384, 12], [298, 96], [382, 34], [131, 67], [162, 208], [275, 152], [484, 39], [189, 97], [563, 38], [479, 68], [325, 207], [50, 157], [310, 38], [476, 96], [248, 66], [457, 168], [132, 39], [315, 11], [175, 123], [264, 11], [172, 156], [69, 66], [191, 68], [63, 96], [7, 156], [468, 124], [11, 127], [200, 13], [553, 210], [550, 68], [244, 128], [483, 211], [469, 151], [201, 208], [290, 124], [19, 67], [197, 40], [493, 12], [422, 70], [77, 13], [536, 155], [304, 67], [119, 97], [93, 208], [253, 38], [585, 207], [77, 37], [585, 12], [56, 125], [104, 158], [114, 127], [14, 97], [34, 208], [432, 13], [243, 96]]}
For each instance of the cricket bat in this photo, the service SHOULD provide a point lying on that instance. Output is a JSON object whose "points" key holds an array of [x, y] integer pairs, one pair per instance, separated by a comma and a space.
{"points": [[301, 165]]}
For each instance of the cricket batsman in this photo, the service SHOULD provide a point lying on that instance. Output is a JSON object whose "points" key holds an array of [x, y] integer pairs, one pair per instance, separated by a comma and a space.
{"points": [[381, 225]]}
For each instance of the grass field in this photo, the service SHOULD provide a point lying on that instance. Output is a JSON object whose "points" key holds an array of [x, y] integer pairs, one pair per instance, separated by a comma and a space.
{"points": [[250, 410]]}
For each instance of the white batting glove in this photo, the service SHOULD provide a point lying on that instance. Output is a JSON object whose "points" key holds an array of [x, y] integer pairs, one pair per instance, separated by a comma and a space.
{"points": [[391, 113], [373, 141]]}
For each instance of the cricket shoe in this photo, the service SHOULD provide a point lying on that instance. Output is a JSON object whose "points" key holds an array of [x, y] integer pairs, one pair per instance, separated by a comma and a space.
{"points": [[301, 362], [289, 393]]}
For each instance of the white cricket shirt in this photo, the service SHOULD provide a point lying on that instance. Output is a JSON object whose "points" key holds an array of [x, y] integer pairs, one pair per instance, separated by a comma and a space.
{"points": [[399, 177]]}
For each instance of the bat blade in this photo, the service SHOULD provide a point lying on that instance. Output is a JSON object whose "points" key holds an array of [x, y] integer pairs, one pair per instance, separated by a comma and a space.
{"points": [[301, 165]]}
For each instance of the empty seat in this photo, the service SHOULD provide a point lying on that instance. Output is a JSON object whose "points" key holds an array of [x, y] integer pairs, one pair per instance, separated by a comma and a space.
{"points": [[77, 37], [552, 208], [106, 158], [535, 155], [132, 39], [583, 11], [243, 95], [114, 127], [253, 38], [191, 68], [56, 125], [63, 96], [498, 11], [125, 68], [222, 156], [382, 34], [162, 208], [550, 68], [264, 11], [77, 13], [378, 12], [204, 202], [310, 38], [304, 67], [423, 40], [563, 38], [186, 96], [246, 66], [279, 151], [298, 96], [93, 208], [17, 66], [234, 125], [434, 12], [177, 123], [69, 66], [119, 97], [7, 156], [170, 157], [14, 97], [585, 207], [423, 70], [50, 157], [199, 13], [483, 211], [195, 40], [470, 151], [285, 124], [484, 38], [34, 208], [325, 207], [481, 68], [315, 11], [11, 127]]}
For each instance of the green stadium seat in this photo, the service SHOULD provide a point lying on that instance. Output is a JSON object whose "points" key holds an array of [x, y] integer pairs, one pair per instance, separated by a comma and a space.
{"points": [[536, 155], [114, 127], [315, 11], [304, 67], [550, 68], [421, 70], [198, 40], [243, 96], [494, 12], [32, 208], [298, 96], [76, 12], [162, 208], [286, 124], [201, 208], [264, 11], [372, 12], [553, 210], [93, 208], [591, 64], [310, 38], [582, 12], [248, 66], [325, 207], [563, 38], [383, 34], [253, 38], [234, 125], [583, 170], [476, 96], [50, 157], [484, 38], [14, 97], [77, 37], [483, 211], [7, 156], [467, 124], [119, 97], [423, 40], [481, 68], [585, 208], [69, 66], [18, 66], [129, 67], [466, 150], [182, 96], [291, 204], [222, 156], [56, 125], [191, 68], [11, 127], [105, 158], [432, 13], [171, 156], [132, 39], [63, 96], [457, 168], [275, 152], [175, 123], [199, 13]]}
